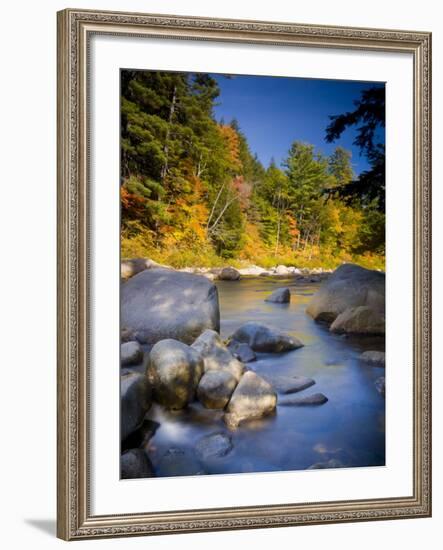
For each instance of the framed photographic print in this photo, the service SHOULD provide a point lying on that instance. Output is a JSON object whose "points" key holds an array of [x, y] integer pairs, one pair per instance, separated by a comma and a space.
{"points": [[244, 274]]}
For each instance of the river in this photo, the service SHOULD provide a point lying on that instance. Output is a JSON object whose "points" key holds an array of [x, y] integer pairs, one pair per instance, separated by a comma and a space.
{"points": [[347, 431]]}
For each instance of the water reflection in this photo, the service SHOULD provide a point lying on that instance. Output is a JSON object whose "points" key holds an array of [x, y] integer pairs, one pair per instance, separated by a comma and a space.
{"points": [[347, 431]]}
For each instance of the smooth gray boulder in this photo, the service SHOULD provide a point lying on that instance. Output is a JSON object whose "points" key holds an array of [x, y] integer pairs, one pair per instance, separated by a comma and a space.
{"points": [[212, 446], [253, 398], [160, 303], [282, 270], [131, 353], [289, 384], [133, 266], [216, 356], [265, 339], [179, 462], [135, 464], [280, 296], [229, 274], [135, 400], [375, 358], [242, 351], [174, 370], [215, 388], [350, 286], [310, 400], [252, 270], [359, 320]]}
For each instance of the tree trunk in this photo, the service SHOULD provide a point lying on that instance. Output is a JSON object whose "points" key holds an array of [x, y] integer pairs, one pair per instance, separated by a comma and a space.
{"points": [[300, 219], [214, 205], [278, 222], [164, 169]]}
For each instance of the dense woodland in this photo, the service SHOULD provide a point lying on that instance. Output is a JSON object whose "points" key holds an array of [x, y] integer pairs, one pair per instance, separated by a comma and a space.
{"points": [[193, 193]]}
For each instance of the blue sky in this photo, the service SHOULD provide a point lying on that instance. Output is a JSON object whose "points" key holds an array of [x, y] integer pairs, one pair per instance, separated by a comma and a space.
{"points": [[274, 111]]}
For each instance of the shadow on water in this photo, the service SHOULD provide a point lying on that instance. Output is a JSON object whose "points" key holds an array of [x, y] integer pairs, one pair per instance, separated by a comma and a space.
{"points": [[347, 431]]}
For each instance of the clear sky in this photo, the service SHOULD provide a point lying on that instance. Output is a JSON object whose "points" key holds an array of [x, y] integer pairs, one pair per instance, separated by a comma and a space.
{"points": [[274, 111]]}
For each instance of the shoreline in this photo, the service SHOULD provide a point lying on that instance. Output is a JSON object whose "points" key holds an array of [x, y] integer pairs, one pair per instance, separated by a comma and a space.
{"points": [[133, 266]]}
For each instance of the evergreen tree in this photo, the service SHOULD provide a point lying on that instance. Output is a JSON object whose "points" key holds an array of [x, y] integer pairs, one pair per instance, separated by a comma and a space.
{"points": [[369, 117]]}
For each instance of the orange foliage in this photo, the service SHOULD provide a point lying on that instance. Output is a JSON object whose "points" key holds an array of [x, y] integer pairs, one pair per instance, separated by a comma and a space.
{"points": [[132, 205], [232, 140], [293, 230]]}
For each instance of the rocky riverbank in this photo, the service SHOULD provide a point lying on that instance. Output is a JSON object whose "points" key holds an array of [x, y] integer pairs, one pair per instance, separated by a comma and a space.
{"points": [[131, 267], [172, 355]]}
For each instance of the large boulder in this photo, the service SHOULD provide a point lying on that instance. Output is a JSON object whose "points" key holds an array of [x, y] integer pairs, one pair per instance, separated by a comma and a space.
{"points": [[160, 303], [215, 388], [359, 320], [253, 398], [280, 296], [174, 370], [350, 286], [252, 270], [265, 339], [131, 353], [135, 464], [229, 274], [282, 270], [216, 356], [242, 351], [135, 399], [130, 267]]}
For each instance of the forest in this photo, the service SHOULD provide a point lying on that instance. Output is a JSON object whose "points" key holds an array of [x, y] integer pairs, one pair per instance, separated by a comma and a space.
{"points": [[194, 194]]}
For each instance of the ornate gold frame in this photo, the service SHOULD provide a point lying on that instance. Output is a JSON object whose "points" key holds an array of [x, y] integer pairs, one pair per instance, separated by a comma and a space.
{"points": [[75, 28]]}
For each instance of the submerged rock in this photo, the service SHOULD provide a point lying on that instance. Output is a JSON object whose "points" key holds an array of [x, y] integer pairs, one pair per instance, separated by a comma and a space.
{"points": [[309, 400], [242, 351], [359, 320], [380, 385], [280, 296], [265, 339], [214, 445], [229, 274], [216, 356], [135, 400], [160, 303], [215, 388], [175, 370], [332, 463], [349, 287], [135, 464], [253, 398], [131, 353], [289, 384], [376, 358], [179, 462]]}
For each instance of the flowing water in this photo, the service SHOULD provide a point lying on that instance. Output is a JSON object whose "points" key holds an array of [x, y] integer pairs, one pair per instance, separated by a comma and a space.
{"points": [[347, 431]]}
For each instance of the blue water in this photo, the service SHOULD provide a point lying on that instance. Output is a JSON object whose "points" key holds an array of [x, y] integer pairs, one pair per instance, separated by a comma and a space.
{"points": [[349, 429]]}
